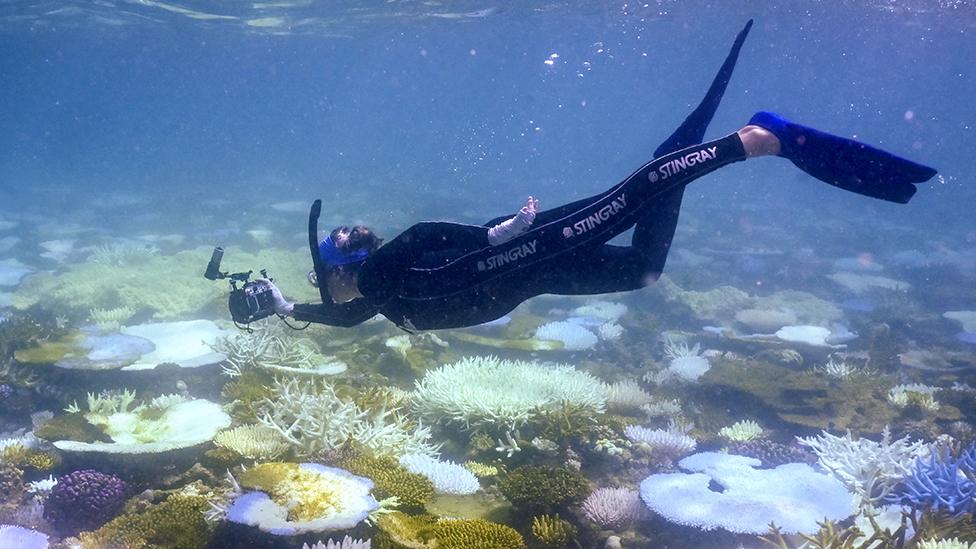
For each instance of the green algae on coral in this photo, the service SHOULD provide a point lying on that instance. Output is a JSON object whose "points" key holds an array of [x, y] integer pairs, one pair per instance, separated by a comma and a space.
{"points": [[551, 532], [72, 426]]}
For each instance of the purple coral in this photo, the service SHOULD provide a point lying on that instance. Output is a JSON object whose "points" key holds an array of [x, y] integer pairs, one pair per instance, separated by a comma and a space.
{"points": [[84, 500], [943, 482], [613, 507]]}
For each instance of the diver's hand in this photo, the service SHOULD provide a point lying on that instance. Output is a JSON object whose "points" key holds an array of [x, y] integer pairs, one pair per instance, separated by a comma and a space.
{"points": [[509, 229], [281, 305]]}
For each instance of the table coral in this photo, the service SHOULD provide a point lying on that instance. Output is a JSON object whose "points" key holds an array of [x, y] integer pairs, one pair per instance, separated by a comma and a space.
{"points": [[291, 498], [723, 491]]}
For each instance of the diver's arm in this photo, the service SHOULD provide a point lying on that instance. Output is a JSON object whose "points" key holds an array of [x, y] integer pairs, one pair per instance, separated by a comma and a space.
{"points": [[344, 315]]}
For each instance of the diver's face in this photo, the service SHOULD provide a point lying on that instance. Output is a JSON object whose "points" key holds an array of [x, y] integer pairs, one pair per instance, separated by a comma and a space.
{"points": [[342, 288]]}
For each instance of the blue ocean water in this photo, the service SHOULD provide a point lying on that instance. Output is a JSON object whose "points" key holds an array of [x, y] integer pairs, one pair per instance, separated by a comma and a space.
{"points": [[182, 124]]}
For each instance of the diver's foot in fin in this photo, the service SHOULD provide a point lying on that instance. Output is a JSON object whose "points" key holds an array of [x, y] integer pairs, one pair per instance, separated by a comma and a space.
{"points": [[845, 163]]}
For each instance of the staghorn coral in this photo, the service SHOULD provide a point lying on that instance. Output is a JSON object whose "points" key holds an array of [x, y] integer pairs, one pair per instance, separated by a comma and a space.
{"points": [[268, 346], [28, 458], [501, 394], [613, 507], [480, 470], [954, 543], [246, 394], [252, 442], [311, 416], [176, 523], [869, 469], [551, 532], [942, 483], [391, 479], [544, 488]]}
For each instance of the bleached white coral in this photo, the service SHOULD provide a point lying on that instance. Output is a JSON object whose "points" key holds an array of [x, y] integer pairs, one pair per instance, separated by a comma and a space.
{"points": [[954, 543], [573, 336], [658, 408], [253, 442], [603, 310], [613, 507], [110, 319], [626, 395], [840, 369], [610, 331], [670, 442], [914, 394], [269, 347], [684, 363], [504, 394], [346, 543], [313, 419], [42, 486], [741, 431], [448, 477], [869, 469]]}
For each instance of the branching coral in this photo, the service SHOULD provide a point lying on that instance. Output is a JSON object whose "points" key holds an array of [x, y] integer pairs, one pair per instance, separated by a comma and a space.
{"points": [[176, 523], [943, 482], [503, 394], [310, 416], [447, 476], [412, 490], [551, 532], [613, 507], [269, 347], [914, 395], [544, 488], [869, 469], [671, 442]]}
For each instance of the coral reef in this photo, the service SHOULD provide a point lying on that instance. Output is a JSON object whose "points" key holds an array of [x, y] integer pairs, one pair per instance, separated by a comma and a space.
{"points": [[22, 538], [792, 496], [314, 420], [346, 543], [295, 498], [447, 476], [391, 479], [869, 469], [84, 500], [168, 422], [572, 336], [544, 488], [399, 531], [942, 483], [666, 442], [613, 507], [502, 394], [176, 523], [741, 431], [252, 442], [551, 532], [770, 453]]}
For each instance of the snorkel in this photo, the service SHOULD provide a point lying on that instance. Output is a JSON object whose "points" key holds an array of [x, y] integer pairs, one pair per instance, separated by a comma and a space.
{"points": [[325, 254]]}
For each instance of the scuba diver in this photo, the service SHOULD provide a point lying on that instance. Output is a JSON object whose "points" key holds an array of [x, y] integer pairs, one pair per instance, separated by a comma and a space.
{"points": [[449, 275]]}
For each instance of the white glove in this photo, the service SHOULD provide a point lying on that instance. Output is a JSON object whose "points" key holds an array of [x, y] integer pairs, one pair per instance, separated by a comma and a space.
{"points": [[281, 305], [509, 229]]}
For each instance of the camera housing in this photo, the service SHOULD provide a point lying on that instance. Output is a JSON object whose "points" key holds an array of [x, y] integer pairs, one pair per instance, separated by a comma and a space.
{"points": [[252, 301]]}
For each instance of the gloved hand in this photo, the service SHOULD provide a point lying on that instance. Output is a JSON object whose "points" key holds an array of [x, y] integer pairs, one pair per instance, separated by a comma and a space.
{"points": [[509, 229], [281, 305]]}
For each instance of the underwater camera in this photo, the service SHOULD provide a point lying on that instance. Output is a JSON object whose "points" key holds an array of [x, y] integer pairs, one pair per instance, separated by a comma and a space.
{"points": [[250, 302]]}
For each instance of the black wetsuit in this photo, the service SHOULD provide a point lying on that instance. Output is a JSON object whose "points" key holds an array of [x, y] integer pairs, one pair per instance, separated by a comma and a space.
{"points": [[446, 275]]}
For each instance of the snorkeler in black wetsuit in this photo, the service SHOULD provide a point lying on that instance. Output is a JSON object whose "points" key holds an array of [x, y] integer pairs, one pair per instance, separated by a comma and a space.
{"points": [[449, 275]]}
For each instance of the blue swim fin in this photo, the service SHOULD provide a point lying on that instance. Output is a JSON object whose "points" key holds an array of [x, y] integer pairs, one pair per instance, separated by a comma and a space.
{"points": [[845, 163], [692, 130]]}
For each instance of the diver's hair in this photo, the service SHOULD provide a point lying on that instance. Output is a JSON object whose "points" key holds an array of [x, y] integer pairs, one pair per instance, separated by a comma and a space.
{"points": [[358, 238]]}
